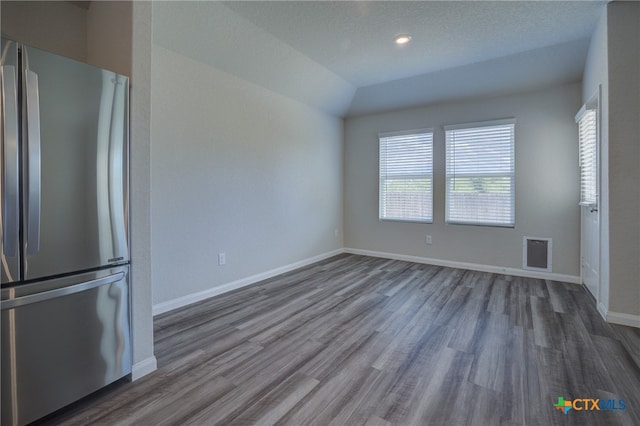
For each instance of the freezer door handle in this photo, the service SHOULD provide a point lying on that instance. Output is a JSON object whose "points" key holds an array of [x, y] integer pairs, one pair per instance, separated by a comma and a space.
{"points": [[59, 292], [33, 162], [10, 209]]}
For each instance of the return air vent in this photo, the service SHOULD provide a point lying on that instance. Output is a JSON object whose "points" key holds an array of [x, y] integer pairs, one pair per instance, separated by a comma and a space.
{"points": [[536, 254]]}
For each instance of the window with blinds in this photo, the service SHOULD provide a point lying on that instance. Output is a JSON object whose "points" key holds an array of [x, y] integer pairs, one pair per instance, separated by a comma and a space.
{"points": [[406, 176], [480, 173], [587, 137]]}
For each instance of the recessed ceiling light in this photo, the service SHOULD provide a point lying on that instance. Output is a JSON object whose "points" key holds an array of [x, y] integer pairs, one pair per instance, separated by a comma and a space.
{"points": [[402, 39]]}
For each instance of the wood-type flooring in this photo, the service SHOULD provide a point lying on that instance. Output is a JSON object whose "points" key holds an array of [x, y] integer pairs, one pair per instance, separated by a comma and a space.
{"points": [[357, 340]]}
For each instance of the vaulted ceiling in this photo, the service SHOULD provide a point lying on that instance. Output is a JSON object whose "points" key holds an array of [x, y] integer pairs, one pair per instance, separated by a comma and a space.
{"points": [[340, 56]]}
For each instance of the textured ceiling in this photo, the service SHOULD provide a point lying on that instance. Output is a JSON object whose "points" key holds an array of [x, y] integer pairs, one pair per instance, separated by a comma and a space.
{"points": [[340, 57], [355, 39]]}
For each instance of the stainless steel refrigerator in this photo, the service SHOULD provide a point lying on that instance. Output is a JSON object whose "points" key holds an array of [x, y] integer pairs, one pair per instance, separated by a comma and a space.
{"points": [[65, 317]]}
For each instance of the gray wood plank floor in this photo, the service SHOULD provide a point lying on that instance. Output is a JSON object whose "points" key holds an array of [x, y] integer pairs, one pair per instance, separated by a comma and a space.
{"points": [[356, 340]]}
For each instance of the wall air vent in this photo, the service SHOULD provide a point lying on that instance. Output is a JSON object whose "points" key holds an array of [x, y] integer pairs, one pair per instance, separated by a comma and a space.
{"points": [[536, 254]]}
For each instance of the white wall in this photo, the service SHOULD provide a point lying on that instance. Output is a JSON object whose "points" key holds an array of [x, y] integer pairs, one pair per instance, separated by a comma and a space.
{"points": [[547, 180], [211, 32], [236, 169], [141, 288], [55, 26]]}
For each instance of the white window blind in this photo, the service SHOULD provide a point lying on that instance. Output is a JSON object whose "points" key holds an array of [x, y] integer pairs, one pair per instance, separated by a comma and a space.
{"points": [[587, 136], [406, 176], [480, 172]]}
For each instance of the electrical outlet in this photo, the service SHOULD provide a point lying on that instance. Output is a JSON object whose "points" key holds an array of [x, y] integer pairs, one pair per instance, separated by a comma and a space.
{"points": [[335, 232], [429, 241], [222, 258]]}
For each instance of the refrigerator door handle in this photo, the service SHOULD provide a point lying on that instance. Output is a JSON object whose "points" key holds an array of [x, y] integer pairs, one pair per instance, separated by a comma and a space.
{"points": [[10, 209], [59, 292], [33, 162]]}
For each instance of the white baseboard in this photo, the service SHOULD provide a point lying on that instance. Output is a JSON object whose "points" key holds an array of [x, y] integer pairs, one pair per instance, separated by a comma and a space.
{"points": [[619, 318], [612, 317], [170, 305], [624, 319], [180, 302], [472, 266], [144, 367]]}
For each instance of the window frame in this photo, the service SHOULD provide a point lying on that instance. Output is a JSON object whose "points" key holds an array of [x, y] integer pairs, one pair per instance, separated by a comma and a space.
{"points": [[512, 174], [590, 107], [382, 180]]}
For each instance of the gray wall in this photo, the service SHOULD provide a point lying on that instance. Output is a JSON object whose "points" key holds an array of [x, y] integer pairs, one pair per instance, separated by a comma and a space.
{"points": [[623, 33], [109, 35], [236, 169], [547, 179], [613, 63], [55, 26]]}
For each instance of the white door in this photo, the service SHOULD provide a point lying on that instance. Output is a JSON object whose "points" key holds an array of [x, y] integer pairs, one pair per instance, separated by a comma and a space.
{"points": [[588, 120], [590, 237]]}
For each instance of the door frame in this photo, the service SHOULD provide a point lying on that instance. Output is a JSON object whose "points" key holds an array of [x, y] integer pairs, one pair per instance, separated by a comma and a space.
{"points": [[594, 102]]}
